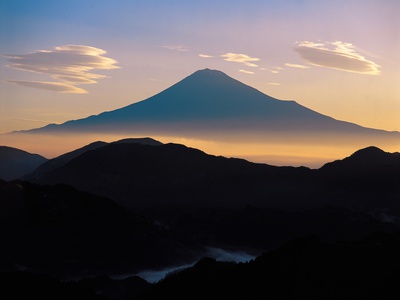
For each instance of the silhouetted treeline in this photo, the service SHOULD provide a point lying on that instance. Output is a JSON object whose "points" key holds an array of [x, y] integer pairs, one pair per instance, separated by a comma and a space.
{"points": [[305, 268]]}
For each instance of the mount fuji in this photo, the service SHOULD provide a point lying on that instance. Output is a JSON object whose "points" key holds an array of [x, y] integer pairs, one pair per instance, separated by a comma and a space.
{"points": [[211, 106]]}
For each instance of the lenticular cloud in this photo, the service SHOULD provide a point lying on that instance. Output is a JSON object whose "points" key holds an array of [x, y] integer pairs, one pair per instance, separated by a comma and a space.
{"points": [[67, 65], [336, 55]]}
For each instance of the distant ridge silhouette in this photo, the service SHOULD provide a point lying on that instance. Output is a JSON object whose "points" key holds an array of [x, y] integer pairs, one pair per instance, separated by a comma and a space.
{"points": [[63, 159], [218, 114], [15, 163], [370, 158], [195, 200], [211, 104], [141, 176]]}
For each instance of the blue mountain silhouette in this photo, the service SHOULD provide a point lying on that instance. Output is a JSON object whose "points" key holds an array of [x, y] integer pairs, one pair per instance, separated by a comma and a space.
{"points": [[205, 99], [212, 105]]}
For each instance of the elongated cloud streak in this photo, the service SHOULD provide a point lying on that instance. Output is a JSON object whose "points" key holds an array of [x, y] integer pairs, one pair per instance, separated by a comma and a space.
{"points": [[296, 66], [336, 55], [50, 86], [69, 65], [205, 56], [240, 58], [179, 48], [246, 72]]}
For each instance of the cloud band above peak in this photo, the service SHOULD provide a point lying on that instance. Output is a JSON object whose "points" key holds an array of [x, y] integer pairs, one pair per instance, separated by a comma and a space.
{"points": [[336, 55]]}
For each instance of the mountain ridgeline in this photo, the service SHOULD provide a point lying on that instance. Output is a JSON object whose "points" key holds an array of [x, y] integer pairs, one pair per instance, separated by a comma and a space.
{"points": [[122, 208], [15, 163], [211, 105], [147, 177], [137, 204]]}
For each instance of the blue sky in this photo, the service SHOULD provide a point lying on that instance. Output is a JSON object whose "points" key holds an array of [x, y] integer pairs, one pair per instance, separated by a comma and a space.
{"points": [[340, 58]]}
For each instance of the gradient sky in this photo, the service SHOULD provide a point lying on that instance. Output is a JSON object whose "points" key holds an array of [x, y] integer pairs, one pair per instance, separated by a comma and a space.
{"points": [[68, 59]]}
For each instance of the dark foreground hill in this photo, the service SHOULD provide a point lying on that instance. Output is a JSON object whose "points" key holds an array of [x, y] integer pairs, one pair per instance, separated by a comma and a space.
{"points": [[15, 163], [145, 176], [350, 207], [139, 175], [304, 268], [68, 233], [232, 202], [61, 160]]}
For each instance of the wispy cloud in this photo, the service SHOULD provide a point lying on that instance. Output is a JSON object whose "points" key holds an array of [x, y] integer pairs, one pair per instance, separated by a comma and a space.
{"points": [[69, 65], [296, 66], [246, 72], [276, 70], [336, 55], [273, 83], [240, 58], [179, 48], [205, 56], [50, 86]]}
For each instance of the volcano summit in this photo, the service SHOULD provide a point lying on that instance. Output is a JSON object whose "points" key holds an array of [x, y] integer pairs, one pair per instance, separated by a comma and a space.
{"points": [[213, 107]]}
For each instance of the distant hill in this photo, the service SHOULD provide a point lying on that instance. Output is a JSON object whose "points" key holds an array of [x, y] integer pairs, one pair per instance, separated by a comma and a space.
{"points": [[15, 163], [61, 160], [195, 199], [183, 187], [370, 169], [137, 174], [370, 159]]}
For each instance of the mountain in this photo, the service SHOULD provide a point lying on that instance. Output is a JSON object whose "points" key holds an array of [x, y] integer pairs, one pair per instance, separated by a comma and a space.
{"points": [[197, 201], [366, 168], [371, 158], [213, 106], [220, 115], [61, 160], [138, 175], [236, 201], [15, 163]]}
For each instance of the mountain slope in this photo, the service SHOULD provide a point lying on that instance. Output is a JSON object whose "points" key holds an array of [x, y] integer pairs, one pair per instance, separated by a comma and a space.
{"points": [[137, 175], [15, 163], [370, 158], [220, 115], [171, 175], [61, 160], [209, 102], [232, 202]]}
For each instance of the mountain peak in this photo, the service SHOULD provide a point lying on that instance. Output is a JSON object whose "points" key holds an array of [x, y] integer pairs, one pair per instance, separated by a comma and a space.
{"points": [[208, 77], [369, 158], [144, 141], [368, 152], [209, 72]]}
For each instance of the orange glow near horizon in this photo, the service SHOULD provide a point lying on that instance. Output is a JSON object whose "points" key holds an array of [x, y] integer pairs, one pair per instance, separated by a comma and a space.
{"points": [[279, 154]]}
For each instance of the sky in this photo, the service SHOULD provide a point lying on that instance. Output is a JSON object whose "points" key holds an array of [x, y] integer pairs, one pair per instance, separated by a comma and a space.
{"points": [[69, 59]]}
